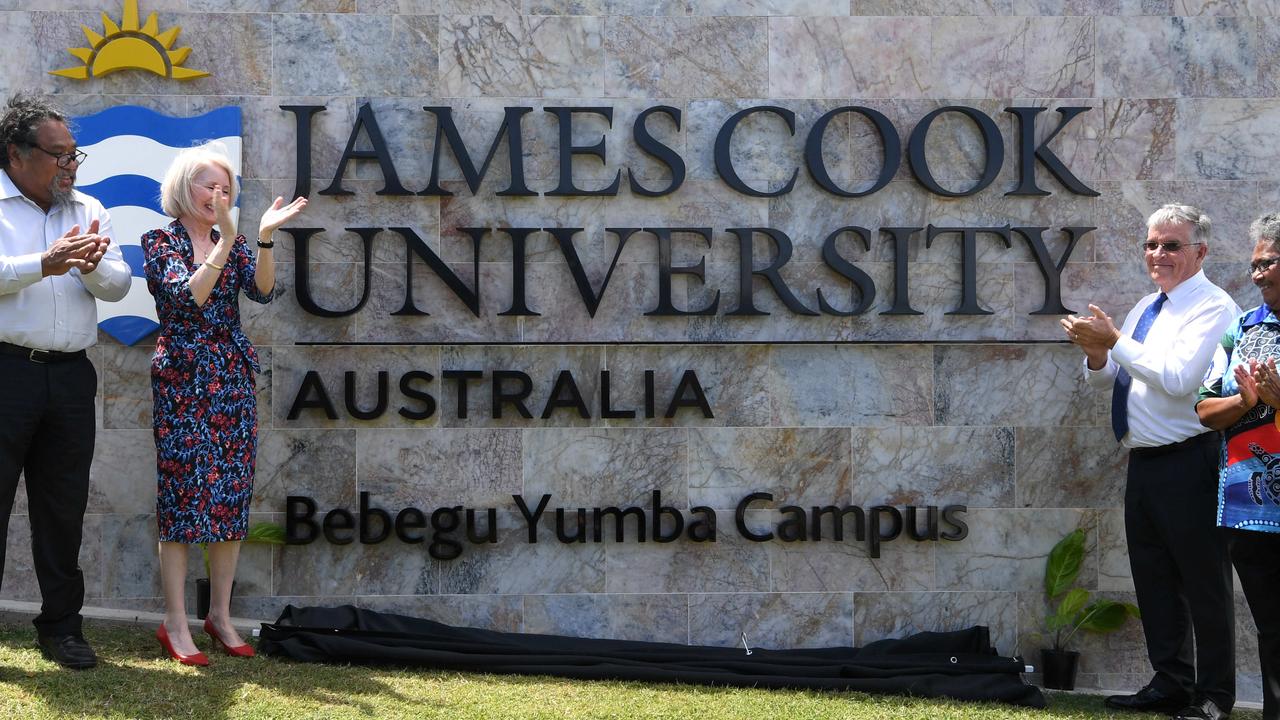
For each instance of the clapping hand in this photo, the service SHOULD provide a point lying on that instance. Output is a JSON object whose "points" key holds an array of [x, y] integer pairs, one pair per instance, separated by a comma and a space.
{"points": [[1267, 381], [279, 214], [1248, 386], [74, 250]]}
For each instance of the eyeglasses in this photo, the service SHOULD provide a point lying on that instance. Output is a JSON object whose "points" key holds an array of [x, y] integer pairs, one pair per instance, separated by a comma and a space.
{"points": [[63, 159], [1262, 265], [1169, 247]]}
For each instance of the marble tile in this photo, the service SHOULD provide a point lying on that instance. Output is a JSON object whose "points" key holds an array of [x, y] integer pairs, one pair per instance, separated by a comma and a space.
{"points": [[440, 7], [125, 378], [436, 467], [684, 57], [118, 555], [1114, 656], [645, 618], [122, 478], [277, 6], [772, 620], [846, 565], [609, 7], [514, 565], [521, 56], [1227, 139], [1050, 374], [995, 57], [804, 466], [1177, 57], [20, 576], [920, 7], [1006, 549], [730, 564], [332, 286], [320, 464], [324, 569], [1074, 467], [392, 567], [1113, 555], [784, 8], [325, 54], [880, 57], [269, 608], [809, 214], [851, 385], [971, 466], [886, 615], [607, 466]]}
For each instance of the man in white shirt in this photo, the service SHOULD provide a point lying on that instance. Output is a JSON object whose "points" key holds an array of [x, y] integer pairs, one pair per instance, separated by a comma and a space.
{"points": [[56, 257], [1154, 365]]}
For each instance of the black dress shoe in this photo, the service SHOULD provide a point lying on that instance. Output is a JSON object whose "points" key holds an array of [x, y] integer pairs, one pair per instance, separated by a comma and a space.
{"points": [[1148, 699], [69, 651], [1202, 710]]}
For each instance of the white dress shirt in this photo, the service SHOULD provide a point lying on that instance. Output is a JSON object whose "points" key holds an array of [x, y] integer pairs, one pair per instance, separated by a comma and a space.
{"points": [[57, 312], [1168, 367]]}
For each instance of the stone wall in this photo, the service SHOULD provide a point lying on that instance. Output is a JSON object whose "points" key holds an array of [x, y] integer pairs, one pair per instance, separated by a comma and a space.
{"points": [[986, 411]]}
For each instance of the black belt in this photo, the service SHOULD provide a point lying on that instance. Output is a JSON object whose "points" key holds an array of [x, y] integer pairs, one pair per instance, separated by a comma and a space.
{"points": [[39, 356], [1149, 452]]}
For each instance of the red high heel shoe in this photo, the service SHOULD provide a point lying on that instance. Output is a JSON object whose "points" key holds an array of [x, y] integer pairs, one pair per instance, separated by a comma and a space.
{"points": [[199, 659], [244, 650]]}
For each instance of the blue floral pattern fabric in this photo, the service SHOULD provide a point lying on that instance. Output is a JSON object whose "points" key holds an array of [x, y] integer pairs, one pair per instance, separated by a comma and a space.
{"points": [[205, 415]]}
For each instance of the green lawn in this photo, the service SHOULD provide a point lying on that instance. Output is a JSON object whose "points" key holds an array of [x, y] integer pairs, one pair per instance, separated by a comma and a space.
{"points": [[135, 681]]}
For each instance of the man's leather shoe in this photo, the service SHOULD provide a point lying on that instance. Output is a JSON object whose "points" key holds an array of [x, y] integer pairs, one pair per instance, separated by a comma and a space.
{"points": [[69, 651], [1202, 710], [1148, 699]]}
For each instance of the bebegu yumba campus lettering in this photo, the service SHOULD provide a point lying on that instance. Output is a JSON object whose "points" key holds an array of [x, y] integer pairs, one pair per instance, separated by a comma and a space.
{"points": [[856, 289]]}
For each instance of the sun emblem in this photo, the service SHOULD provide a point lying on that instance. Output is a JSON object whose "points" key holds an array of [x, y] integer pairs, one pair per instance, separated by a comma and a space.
{"points": [[128, 46]]}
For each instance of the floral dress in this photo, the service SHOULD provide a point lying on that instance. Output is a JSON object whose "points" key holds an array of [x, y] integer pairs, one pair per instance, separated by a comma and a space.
{"points": [[205, 414]]}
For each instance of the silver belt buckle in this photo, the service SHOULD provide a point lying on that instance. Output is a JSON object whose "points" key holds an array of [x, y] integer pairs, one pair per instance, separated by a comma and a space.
{"points": [[33, 358]]}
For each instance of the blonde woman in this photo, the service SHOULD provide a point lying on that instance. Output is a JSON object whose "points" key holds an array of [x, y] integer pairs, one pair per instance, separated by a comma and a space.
{"points": [[202, 383]]}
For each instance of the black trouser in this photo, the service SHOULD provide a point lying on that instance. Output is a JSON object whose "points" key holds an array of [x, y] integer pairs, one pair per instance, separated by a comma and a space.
{"points": [[47, 433], [1256, 556], [1181, 571]]}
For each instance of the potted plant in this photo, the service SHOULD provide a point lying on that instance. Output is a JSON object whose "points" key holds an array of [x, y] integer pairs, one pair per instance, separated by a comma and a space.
{"points": [[260, 533], [1074, 612]]}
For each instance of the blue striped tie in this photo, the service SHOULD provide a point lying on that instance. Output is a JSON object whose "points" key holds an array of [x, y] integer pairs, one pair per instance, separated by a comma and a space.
{"points": [[1120, 393]]}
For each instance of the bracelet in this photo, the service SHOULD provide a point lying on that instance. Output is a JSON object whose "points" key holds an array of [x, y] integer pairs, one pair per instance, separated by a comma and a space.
{"points": [[266, 245], [215, 267]]}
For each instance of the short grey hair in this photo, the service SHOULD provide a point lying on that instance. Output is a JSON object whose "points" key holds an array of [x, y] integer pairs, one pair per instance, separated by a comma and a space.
{"points": [[1174, 213], [175, 189], [1266, 227]]}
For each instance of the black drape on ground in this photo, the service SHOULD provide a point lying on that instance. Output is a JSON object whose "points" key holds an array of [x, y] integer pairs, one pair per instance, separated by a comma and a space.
{"points": [[960, 664]]}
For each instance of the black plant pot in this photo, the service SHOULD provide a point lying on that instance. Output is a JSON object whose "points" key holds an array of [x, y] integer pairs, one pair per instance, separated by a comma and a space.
{"points": [[1059, 668], [202, 596]]}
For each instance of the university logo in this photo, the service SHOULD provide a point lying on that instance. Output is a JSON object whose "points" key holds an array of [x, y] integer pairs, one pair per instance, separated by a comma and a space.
{"points": [[130, 46], [131, 148]]}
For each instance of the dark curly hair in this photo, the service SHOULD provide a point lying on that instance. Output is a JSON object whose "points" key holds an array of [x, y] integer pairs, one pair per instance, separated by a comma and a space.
{"points": [[25, 113]]}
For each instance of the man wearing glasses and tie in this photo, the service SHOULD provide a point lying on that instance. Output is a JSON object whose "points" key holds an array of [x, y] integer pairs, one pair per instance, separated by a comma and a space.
{"points": [[1154, 365], [55, 259]]}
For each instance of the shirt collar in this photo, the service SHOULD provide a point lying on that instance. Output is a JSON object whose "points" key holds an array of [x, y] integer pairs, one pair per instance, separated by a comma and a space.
{"points": [[1185, 288], [1257, 316]]}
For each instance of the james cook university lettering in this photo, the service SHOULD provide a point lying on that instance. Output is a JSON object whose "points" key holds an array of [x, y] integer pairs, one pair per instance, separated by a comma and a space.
{"points": [[856, 291]]}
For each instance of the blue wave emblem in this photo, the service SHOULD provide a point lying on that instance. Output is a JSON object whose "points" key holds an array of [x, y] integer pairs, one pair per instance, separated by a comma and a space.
{"points": [[129, 149], [164, 129]]}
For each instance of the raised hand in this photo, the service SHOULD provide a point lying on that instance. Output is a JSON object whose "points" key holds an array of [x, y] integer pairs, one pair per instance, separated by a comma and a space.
{"points": [[222, 209], [1267, 381], [279, 214]]}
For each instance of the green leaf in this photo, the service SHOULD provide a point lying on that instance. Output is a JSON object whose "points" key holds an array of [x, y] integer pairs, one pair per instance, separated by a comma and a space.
{"points": [[1063, 565], [1073, 602], [265, 533], [1105, 616]]}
